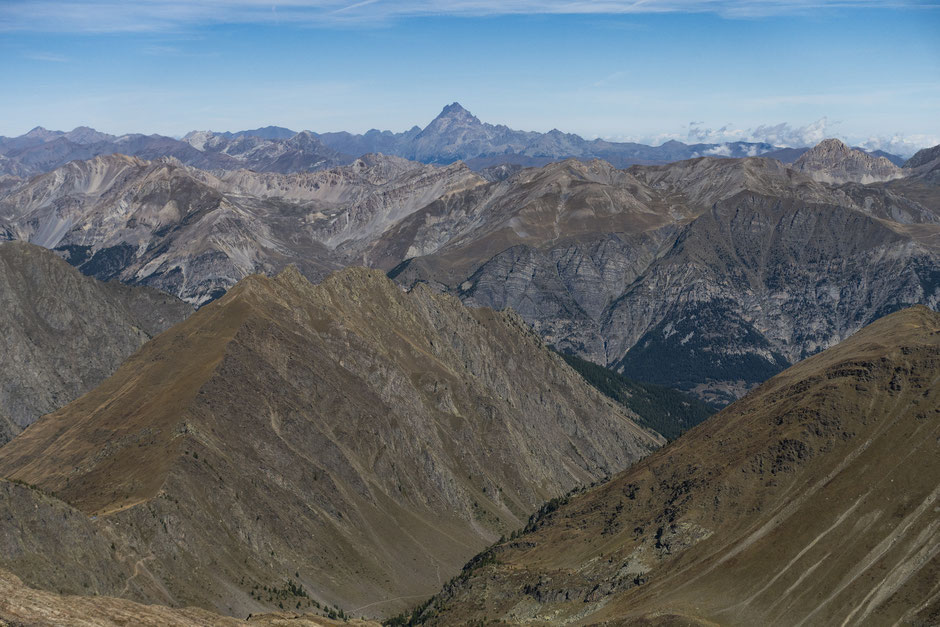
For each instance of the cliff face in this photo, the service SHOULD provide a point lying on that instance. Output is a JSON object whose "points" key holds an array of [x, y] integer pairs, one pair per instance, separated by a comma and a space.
{"points": [[64, 333], [357, 439], [810, 501]]}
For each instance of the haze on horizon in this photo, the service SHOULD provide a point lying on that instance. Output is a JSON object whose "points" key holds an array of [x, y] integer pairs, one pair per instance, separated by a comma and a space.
{"points": [[789, 72]]}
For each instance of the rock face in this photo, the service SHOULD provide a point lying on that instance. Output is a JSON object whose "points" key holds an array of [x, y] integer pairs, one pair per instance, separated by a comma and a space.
{"points": [[64, 333], [194, 235], [810, 501], [353, 438], [831, 161]]}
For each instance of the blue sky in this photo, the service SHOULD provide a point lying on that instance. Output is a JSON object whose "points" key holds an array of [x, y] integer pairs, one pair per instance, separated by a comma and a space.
{"points": [[787, 71]]}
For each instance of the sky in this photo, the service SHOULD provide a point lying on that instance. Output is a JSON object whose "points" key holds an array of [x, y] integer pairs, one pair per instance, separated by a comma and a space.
{"points": [[790, 72]]}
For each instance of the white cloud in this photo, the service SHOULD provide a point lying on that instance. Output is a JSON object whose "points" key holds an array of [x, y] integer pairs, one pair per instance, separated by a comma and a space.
{"points": [[904, 146], [157, 15], [790, 136], [784, 134]]}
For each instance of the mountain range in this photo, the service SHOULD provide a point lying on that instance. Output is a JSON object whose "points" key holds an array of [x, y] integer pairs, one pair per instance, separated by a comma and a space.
{"points": [[455, 134], [732, 267], [810, 501], [251, 375]]}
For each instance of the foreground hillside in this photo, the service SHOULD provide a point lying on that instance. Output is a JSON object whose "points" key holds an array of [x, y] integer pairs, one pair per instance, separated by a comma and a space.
{"points": [[348, 437], [64, 333], [22, 605], [812, 501]]}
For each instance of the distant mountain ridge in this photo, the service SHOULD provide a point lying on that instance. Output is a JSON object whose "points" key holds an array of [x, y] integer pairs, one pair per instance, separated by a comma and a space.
{"points": [[455, 134]]}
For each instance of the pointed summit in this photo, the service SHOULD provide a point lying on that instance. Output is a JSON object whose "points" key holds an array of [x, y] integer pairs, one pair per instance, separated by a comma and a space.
{"points": [[43, 134], [453, 115], [454, 109]]}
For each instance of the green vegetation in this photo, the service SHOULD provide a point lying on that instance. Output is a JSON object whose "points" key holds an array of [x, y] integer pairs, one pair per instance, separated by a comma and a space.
{"points": [[660, 408], [291, 592], [683, 351]]}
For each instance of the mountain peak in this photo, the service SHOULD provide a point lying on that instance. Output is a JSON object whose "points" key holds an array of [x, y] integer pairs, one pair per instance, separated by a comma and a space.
{"points": [[42, 134], [454, 109], [831, 161], [832, 144]]}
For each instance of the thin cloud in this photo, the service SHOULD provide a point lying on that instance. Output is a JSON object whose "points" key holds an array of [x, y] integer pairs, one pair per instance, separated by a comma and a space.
{"points": [[162, 15], [47, 56]]}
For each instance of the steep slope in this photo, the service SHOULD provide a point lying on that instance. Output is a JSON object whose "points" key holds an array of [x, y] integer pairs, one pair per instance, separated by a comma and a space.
{"points": [[64, 333], [810, 502], [354, 438], [831, 161], [759, 283], [192, 234]]}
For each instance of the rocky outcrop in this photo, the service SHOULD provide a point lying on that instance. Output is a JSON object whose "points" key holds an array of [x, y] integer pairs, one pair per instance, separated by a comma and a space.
{"points": [[831, 161], [64, 333], [354, 438]]}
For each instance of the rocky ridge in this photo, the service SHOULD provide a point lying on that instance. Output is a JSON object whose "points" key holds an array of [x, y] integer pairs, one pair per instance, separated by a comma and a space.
{"points": [[743, 263]]}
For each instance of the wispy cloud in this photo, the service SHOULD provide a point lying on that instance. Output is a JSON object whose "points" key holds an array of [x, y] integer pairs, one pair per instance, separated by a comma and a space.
{"points": [[161, 15], [46, 56]]}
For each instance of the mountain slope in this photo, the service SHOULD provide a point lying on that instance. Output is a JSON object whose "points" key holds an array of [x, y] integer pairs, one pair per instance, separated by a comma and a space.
{"points": [[663, 409], [50, 314], [810, 501], [362, 441]]}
